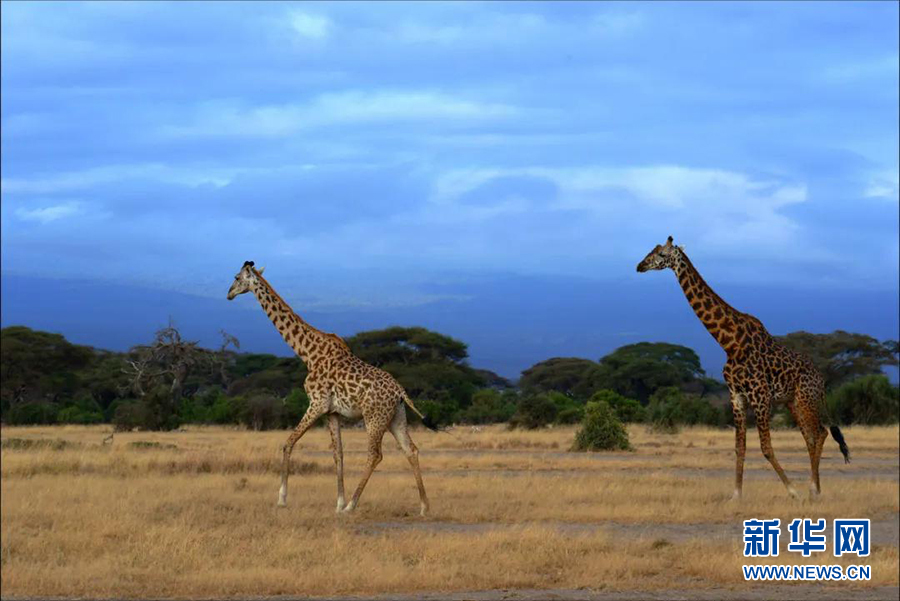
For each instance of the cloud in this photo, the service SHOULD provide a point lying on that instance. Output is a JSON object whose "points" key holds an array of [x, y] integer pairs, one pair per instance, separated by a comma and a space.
{"points": [[885, 184], [49, 213], [353, 107], [876, 68], [95, 176], [314, 27]]}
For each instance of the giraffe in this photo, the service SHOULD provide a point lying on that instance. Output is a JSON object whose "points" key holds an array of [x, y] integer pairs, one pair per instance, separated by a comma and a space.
{"points": [[338, 384], [758, 371]]}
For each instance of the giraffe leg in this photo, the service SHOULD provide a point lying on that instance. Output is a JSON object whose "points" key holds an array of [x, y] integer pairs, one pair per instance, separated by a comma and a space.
{"points": [[334, 424], [762, 407], [401, 433], [376, 433], [309, 418], [738, 407], [806, 416]]}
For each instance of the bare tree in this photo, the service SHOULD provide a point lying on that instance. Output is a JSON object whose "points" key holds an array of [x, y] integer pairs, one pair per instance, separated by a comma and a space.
{"points": [[170, 360]]}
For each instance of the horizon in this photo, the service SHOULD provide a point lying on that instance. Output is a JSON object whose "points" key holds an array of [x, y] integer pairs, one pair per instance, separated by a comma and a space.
{"points": [[490, 171]]}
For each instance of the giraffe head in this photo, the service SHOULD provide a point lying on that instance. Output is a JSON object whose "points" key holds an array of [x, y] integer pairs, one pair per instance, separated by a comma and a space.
{"points": [[663, 256], [246, 280]]}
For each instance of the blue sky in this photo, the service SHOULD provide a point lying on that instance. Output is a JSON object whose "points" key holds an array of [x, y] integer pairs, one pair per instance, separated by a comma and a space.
{"points": [[395, 160]]}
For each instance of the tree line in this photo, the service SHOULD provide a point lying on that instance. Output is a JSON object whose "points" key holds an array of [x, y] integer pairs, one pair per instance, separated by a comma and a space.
{"points": [[170, 381]]}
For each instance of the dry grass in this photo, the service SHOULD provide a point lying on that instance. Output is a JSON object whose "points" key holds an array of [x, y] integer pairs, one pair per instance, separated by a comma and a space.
{"points": [[192, 514]]}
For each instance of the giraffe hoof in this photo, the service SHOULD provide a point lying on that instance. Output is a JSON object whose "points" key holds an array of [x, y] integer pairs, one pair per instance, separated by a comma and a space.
{"points": [[794, 494], [735, 497]]}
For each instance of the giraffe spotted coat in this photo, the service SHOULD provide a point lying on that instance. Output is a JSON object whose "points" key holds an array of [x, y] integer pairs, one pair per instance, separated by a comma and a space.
{"points": [[338, 384], [759, 371]]}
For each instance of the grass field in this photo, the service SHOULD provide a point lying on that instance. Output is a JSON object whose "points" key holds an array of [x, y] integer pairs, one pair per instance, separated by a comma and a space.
{"points": [[192, 514]]}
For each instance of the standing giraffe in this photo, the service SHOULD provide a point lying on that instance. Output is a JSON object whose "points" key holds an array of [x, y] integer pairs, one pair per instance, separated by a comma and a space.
{"points": [[758, 370], [338, 384]]}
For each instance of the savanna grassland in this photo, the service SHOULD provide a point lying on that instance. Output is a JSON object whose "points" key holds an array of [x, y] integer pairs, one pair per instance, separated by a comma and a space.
{"points": [[192, 514]]}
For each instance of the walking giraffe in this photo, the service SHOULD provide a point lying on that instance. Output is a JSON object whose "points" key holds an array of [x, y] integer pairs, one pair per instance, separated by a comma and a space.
{"points": [[758, 370], [338, 384]]}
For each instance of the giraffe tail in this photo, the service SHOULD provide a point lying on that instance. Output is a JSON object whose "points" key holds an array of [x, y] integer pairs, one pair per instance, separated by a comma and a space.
{"points": [[842, 444], [426, 421]]}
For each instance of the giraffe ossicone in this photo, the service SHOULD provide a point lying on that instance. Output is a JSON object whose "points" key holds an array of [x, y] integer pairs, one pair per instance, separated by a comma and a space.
{"points": [[758, 371], [338, 383]]}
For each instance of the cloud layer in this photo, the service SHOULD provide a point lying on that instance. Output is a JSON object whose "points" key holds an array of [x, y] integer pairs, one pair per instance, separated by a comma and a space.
{"points": [[368, 153]]}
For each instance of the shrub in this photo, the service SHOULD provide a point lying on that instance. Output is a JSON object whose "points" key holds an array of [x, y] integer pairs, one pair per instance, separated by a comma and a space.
{"points": [[155, 411], [295, 405], [601, 430], [489, 407], [130, 415], [32, 413], [627, 410], [262, 412], [77, 415], [443, 412], [85, 410], [867, 400], [570, 415], [225, 410], [670, 407], [535, 411]]}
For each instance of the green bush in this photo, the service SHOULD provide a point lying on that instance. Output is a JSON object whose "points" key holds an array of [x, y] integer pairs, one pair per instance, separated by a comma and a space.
{"points": [[489, 407], [262, 412], [225, 410], [627, 410], [130, 415], [32, 413], [601, 430], [77, 415], [570, 415], [568, 410], [535, 411], [866, 400], [155, 411], [439, 412], [670, 408], [295, 405], [84, 410]]}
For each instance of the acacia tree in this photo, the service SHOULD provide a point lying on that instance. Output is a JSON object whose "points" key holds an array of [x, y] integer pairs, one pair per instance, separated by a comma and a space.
{"points": [[157, 373], [842, 356]]}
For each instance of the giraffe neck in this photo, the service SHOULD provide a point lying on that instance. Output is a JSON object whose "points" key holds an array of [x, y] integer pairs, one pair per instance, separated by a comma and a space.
{"points": [[719, 318], [306, 340]]}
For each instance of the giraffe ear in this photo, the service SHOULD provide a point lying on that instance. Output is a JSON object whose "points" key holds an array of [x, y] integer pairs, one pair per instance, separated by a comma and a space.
{"points": [[261, 270]]}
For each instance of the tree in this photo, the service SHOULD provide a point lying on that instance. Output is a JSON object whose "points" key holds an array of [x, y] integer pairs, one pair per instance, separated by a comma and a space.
{"points": [[430, 366], [601, 430], [869, 400], [262, 412], [39, 366], [490, 406], [637, 370], [535, 411], [842, 356], [670, 406], [163, 368], [568, 375], [627, 410]]}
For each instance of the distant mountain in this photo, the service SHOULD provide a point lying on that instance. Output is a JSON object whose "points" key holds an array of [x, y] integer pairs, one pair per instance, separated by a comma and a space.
{"points": [[509, 322]]}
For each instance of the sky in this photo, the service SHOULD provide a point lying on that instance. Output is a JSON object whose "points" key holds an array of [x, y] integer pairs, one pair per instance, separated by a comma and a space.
{"points": [[492, 170]]}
